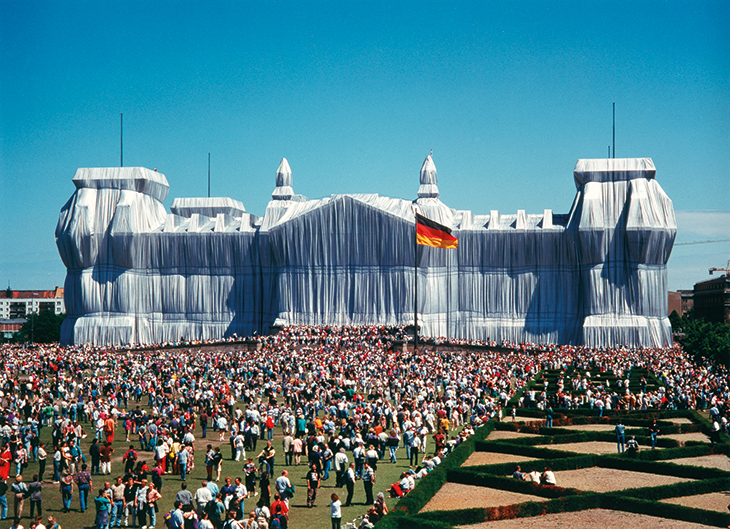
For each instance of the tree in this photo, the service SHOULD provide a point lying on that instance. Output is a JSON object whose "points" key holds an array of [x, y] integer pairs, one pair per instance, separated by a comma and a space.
{"points": [[704, 339], [676, 321], [42, 328]]}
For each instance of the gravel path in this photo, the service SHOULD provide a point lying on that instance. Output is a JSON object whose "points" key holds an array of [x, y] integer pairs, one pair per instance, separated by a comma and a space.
{"points": [[715, 501], [592, 447], [599, 479], [605, 519], [492, 458], [457, 496], [720, 461], [501, 434]]}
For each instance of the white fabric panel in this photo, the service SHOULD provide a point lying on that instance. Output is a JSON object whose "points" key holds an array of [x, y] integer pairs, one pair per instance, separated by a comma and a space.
{"points": [[596, 275], [208, 206]]}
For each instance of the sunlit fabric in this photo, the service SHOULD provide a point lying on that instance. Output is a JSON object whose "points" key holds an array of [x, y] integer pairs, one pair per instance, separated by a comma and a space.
{"points": [[136, 273]]}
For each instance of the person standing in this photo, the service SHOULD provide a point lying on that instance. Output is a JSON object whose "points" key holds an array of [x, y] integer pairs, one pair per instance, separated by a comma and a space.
{"points": [[20, 491], [57, 458], [653, 432], [249, 470], [283, 486], [42, 457], [288, 444], [84, 483], [110, 425], [6, 456], [313, 482], [140, 503], [103, 507], [153, 495], [105, 452], [130, 496], [117, 499], [350, 483], [66, 485], [3, 499], [415, 450], [209, 459], [368, 480], [95, 453], [202, 496], [182, 461], [130, 458], [35, 495], [620, 436], [265, 488], [336, 511], [341, 466]]}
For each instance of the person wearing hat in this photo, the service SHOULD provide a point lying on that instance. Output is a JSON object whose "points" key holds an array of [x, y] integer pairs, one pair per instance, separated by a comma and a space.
{"points": [[20, 490]]}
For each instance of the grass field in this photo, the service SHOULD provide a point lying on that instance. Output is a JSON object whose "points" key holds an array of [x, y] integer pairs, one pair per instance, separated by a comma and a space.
{"points": [[300, 517]]}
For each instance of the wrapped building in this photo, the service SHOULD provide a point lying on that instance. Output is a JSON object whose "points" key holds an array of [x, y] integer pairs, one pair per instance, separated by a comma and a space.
{"points": [[208, 269]]}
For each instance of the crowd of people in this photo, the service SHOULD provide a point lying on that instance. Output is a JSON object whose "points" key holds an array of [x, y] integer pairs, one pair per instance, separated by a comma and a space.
{"points": [[337, 399]]}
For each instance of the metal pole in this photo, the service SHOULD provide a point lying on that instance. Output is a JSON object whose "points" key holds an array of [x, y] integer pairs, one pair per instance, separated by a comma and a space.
{"points": [[121, 140], [614, 130], [415, 287], [208, 175]]}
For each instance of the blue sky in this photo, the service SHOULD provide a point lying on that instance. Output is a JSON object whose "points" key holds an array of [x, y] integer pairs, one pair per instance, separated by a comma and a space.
{"points": [[354, 94]]}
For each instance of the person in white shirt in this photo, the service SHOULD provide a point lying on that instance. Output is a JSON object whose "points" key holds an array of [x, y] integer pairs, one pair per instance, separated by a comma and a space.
{"points": [[202, 497], [548, 477], [335, 511]]}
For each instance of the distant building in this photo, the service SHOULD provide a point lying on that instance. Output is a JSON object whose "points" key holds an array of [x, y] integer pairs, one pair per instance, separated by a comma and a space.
{"points": [[17, 304], [10, 327], [712, 299], [681, 301]]}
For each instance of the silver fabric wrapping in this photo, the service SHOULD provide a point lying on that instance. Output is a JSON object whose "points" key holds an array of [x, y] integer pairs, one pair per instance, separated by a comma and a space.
{"points": [[595, 276]]}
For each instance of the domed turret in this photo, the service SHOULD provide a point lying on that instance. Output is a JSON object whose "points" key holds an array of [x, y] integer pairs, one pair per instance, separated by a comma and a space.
{"points": [[283, 189], [429, 182]]}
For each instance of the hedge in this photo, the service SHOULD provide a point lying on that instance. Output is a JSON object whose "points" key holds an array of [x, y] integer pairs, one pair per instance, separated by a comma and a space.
{"points": [[485, 479], [427, 487], [665, 510], [521, 450], [557, 499], [687, 488], [661, 468]]}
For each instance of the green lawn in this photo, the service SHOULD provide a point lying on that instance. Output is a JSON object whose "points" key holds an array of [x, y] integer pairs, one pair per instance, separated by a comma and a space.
{"points": [[300, 516]]}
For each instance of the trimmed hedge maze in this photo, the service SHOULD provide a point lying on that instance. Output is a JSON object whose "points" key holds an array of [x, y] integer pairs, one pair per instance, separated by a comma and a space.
{"points": [[406, 514]]}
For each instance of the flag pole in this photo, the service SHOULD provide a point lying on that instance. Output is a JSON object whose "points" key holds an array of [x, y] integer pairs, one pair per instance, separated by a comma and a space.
{"points": [[415, 283]]}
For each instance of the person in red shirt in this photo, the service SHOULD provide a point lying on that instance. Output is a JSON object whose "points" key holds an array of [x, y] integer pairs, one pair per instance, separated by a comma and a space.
{"points": [[105, 452], [109, 426], [280, 510]]}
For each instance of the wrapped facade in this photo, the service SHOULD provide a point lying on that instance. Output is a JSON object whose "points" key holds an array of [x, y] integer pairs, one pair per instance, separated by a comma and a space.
{"points": [[208, 269]]}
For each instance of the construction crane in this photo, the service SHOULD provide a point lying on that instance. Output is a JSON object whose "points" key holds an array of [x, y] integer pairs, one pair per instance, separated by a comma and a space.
{"points": [[726, 270]]}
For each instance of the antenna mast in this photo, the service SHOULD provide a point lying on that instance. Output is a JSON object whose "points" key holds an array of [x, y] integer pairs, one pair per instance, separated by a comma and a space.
{"points": [[121, 140], [208, 175], [614, 129]]}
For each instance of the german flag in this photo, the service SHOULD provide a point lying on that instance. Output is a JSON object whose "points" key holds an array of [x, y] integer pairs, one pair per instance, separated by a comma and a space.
{"points": [[430, 233]]}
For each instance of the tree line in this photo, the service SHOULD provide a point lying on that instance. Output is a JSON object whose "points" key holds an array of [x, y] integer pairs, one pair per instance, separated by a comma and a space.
{"points": [[702, 339]]}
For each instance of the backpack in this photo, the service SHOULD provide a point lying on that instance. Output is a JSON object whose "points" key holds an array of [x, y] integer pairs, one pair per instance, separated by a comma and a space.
{"points": [[168, 520]]}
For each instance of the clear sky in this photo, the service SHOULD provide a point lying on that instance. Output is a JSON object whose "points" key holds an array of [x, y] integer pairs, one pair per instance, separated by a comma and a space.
{"points": [[355, 94]]}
